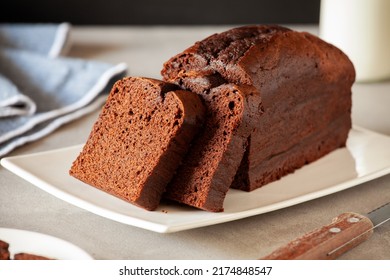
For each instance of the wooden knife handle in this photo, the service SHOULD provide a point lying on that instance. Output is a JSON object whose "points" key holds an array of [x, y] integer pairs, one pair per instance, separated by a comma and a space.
{"points": [[344, 233]]}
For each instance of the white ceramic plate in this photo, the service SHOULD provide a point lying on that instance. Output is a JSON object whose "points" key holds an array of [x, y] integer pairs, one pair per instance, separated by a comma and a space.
{"points": [[366, 157], [22, 241]]}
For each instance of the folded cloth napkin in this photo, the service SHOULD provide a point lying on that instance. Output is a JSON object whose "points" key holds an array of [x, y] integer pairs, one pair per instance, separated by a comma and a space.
{"points": [[40, 89]]}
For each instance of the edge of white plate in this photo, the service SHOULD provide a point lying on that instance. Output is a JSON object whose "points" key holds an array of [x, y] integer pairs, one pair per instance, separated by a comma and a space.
{"points": [[69, 250]]}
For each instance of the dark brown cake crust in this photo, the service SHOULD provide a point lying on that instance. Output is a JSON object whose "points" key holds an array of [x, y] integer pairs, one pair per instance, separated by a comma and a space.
{"points": [[220, 55], [142, 133], [305, 87]]}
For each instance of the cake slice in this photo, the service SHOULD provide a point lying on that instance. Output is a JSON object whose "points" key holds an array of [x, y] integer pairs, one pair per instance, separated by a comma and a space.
{"points": [[4, 250], [207, 171], [139, 139], [28, 256], [305, 89]]}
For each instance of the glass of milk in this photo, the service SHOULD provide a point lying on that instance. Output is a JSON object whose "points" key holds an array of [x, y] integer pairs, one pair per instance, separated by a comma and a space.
{"points": [[361, 29]]}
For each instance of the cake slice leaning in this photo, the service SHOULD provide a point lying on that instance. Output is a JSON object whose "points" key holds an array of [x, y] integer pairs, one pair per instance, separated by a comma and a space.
{"points": [[139, 139], [208, 170]]}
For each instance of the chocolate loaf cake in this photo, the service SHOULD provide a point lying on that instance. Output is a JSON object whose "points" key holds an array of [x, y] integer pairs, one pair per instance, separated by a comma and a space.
{"points": [[139, 139], [305, 89]]}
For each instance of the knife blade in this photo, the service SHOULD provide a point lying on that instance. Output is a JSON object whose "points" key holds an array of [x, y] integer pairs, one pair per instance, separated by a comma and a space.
{"points": [[345, 232]]}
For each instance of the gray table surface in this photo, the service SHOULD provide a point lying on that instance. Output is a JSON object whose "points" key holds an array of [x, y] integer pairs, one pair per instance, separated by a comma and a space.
{"points": [[144, 49]]}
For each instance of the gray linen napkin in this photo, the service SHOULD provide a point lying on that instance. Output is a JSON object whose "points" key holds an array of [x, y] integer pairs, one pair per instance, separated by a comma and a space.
{"points": [[40, 90], [47, 39]]}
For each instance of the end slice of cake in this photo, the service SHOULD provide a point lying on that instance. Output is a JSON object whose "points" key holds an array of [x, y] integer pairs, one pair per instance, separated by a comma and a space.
{"points": [[139, 139]]}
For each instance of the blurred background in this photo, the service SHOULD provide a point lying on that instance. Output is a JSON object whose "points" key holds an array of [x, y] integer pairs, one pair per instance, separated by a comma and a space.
{"points": [[168, 12]]}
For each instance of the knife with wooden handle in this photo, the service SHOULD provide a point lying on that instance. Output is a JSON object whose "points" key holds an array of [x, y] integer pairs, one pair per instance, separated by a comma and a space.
{"points": [[345, 232]]}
